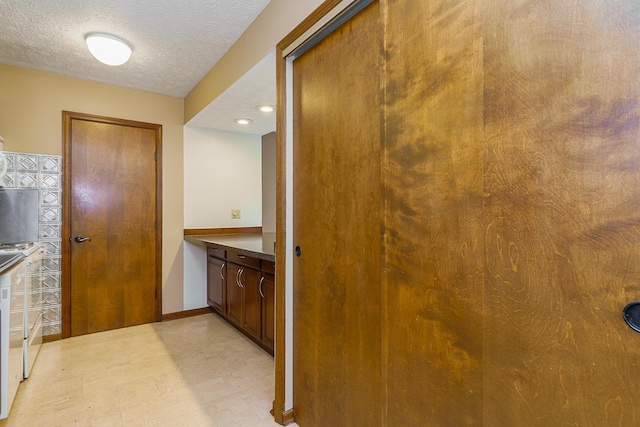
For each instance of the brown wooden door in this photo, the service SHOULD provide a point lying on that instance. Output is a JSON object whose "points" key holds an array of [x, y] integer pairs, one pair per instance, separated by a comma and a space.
{"points": [[337, 227], [510, 199], [112, 187]]}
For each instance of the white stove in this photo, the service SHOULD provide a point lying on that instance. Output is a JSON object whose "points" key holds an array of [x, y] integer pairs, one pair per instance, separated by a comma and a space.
{"points": [[31, 294]]}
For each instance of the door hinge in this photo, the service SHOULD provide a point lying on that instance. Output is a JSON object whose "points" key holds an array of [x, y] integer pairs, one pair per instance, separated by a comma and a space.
{"points": [[155, 155]]}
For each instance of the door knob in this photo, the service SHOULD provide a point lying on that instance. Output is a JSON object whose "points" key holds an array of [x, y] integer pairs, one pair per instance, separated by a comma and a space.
{"points": [[81, 239], [631, 315]]}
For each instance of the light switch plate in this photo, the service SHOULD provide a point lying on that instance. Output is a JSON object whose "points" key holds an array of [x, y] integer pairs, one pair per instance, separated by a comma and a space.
{"points": [[235, 213]]}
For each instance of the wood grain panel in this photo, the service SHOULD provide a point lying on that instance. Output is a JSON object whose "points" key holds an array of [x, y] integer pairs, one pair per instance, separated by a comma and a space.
{"points": [[230, 230], [433, 237], [337, 225], [281, 414], [113, 279], [186, 313], [562, 182]]}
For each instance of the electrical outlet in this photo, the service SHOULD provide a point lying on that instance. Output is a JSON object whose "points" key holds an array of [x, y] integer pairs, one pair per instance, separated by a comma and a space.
{"points": [[235, 213]]}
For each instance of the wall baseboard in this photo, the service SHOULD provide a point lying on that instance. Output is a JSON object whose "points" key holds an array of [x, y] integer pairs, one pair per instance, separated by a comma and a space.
{"points": [[287, 417], [230, 230], [186, 313], [52, 337], [165, 317]]}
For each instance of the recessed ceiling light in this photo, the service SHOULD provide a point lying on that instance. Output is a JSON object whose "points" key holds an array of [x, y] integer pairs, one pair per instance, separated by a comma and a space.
{"points": [[108, 49], [265, 108], [243, 121]]}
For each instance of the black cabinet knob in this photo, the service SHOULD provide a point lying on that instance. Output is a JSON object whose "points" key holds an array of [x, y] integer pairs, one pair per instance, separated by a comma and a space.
{"points": [[298, 251]]}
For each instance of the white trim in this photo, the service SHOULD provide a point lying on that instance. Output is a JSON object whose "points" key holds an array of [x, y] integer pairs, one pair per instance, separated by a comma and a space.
{"points": [[288, 327]]}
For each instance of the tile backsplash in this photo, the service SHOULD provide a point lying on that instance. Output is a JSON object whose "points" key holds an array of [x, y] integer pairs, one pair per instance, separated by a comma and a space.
{"points": [[43, 172]]}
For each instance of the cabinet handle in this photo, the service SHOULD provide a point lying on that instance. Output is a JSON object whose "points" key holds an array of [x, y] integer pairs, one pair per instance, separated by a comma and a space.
{"points": [[240, 278], [241, 256], [260, 288], [222, 270], [237, 277]]}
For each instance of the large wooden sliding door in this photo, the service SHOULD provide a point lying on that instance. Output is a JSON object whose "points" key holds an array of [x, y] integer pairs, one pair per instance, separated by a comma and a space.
{"points": [[434, 243], [337, 276], [466, 204]]}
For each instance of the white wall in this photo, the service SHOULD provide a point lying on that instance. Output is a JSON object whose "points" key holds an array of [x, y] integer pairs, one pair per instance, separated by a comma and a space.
{"points": [[269, 183], [222, 171]]}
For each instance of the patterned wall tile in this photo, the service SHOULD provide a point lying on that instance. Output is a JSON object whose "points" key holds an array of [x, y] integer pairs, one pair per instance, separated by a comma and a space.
{"points": [[51, 297], [11, 160], [50, 164], [44, 172], [50, 198], [27, 180], [51, 329], [27, 162], [50, 231], [50, 180], [51, 281], [9, 180], [50, 314], [51, 214], [52, 247], [51, 264]]}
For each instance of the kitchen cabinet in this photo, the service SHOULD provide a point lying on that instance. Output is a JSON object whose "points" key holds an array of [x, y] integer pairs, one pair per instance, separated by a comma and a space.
{"points": [[234, 295], [251, 303], [268, 295], [216, 274], [242, 293]]}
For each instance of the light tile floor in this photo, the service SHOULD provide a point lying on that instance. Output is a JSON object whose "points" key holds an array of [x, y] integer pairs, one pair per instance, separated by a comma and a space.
{"points": [[197, 371]]}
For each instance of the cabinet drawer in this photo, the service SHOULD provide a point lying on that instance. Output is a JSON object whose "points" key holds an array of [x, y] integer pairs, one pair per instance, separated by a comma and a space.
{"points": [[216, 252], [243, 260], [268, 266]]}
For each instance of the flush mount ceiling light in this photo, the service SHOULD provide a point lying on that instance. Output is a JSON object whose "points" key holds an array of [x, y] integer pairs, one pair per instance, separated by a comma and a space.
{"points": [[243, 121], [108, 49], [265, 108]]}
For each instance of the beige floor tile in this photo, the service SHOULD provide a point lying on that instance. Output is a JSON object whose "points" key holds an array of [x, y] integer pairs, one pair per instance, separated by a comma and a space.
{"points": [[190, 372]]}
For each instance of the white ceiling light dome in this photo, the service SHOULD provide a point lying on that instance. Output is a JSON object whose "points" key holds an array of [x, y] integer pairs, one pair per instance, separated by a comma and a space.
{"points": [[108, 49]]}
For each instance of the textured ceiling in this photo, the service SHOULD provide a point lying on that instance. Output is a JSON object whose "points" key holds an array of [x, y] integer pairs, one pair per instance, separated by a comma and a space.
{"points": [[256, 87], [175, 42]]}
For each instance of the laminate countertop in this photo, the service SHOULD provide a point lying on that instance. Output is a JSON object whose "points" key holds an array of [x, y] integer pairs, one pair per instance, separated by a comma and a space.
{"points": [[257, 245]]}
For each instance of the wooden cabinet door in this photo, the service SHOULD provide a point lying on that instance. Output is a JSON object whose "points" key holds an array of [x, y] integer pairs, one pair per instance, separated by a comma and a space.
{"points": [[251, 304], [268, 295], [216, 280], [234, 294]]}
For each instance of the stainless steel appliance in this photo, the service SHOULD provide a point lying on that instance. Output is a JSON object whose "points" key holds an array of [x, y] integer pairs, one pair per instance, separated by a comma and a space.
{"points": [[18, 216]]}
